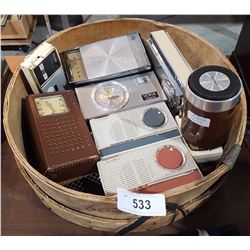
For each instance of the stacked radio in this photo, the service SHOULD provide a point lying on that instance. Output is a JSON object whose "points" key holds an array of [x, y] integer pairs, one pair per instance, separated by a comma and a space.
{"points": [[122, 112]]}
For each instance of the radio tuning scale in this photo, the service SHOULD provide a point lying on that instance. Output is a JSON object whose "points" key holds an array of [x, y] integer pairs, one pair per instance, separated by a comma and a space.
{"points": [[76, 67], [51, 105]]}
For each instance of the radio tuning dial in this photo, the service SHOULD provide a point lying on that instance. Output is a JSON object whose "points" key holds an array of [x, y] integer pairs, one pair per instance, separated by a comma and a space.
{"points": [[170, 157], [51, 105], [110, 96], [154, 118]]}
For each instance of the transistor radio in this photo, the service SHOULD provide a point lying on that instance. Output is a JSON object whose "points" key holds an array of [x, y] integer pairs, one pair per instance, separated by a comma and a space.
{"points": [[43, 69], [127, 130], [153, 168], [170, 66], [101, 99], [105, 59], [61, 141]]}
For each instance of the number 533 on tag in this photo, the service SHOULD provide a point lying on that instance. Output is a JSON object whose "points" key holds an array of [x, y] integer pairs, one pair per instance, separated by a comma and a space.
{"points": [[141, 204]]}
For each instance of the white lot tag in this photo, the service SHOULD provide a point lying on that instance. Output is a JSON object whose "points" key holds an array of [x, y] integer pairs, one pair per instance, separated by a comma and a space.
{"points": [[141, 204], [202, 121]]}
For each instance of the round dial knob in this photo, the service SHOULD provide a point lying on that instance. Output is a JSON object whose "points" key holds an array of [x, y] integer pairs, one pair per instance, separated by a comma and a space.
{"points": [[110, 96], [154, 118], [170, 157]]}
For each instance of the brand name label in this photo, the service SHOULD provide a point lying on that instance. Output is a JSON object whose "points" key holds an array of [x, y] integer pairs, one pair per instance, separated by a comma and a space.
{"points": [[150, 95]]}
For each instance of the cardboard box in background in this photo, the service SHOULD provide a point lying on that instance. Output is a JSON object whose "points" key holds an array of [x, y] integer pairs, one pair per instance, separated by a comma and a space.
{"points": [[17, 29]]}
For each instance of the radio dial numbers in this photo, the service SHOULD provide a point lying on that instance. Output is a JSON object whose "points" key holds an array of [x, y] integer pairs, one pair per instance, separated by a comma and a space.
{"points": [[51, 105], [76, 66]]}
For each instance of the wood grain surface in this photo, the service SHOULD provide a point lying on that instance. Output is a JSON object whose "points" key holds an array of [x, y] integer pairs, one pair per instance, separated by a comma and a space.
{"points": [[24, 214]]}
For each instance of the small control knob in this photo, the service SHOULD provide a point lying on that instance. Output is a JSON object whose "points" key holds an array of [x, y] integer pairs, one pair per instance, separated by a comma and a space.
{"points": [[170, 157], [154, 118]]}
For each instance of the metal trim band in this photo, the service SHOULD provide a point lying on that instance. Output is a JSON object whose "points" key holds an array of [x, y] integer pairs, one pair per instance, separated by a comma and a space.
{"points": [[210, 105], [115, 149]]}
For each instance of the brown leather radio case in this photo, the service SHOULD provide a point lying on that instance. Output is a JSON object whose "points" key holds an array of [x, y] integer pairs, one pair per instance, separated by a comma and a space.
{"points": [[61, 142]]}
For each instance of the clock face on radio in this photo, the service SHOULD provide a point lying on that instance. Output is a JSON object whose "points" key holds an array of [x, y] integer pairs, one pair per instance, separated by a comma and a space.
{"points": [[51, 105], [110, 96]]}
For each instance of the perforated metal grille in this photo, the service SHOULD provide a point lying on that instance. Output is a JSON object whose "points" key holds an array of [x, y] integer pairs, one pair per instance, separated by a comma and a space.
{"points": [[90, 184]]}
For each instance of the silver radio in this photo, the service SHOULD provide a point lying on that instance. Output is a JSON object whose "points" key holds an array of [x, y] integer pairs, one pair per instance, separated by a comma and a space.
{"points": [[97, 100], [127, 130], [170, 66], [106, 59], [153, 168], [43, 69]]}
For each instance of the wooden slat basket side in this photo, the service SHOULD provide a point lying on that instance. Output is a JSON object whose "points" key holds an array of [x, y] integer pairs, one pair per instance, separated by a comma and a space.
{"points": [[114, 225], [197, 51]]}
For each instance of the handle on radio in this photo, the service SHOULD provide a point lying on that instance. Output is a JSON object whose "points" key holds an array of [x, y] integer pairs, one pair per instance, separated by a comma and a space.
{"points": [[230, 158]]}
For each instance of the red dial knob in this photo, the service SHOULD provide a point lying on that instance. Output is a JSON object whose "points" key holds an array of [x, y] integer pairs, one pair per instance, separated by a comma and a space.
{"points": [[170, 157]]}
